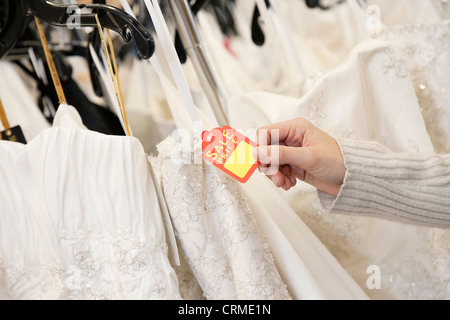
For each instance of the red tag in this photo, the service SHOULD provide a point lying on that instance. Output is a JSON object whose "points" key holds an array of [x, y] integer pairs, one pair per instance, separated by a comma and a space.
{"points": [[230, 151]]}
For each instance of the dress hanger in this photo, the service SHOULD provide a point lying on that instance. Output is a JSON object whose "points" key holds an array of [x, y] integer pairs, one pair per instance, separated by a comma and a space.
{"points": [[258, 36], [224, 16], [18, 13], [95, 117], [318, 4], [187, 26]]}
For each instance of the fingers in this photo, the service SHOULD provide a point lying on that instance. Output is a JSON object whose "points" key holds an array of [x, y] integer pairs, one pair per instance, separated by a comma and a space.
{"points": [[282, 155], [290, 133], [297, 150], [283, 178], [283, 165]]}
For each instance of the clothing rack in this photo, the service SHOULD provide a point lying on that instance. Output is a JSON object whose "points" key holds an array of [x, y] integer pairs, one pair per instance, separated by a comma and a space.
{"points": [[91, 210], [191, 39]]}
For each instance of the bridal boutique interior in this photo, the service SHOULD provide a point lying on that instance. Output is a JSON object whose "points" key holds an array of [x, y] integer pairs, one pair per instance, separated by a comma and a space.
{"points": [[104, 194]]}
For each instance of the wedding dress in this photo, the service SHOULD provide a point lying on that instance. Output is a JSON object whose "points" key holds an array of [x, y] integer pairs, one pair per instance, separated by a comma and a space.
{"points": [[223, 252], [240, 241], [323, 38], [235, 238], [217, 232], [423, 52], [393, 90], [401, 12], [80, 218], [232, 239]]}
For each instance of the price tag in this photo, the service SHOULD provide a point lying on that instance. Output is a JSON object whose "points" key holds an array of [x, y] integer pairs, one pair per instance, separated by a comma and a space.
{"points": [[230, 151]]}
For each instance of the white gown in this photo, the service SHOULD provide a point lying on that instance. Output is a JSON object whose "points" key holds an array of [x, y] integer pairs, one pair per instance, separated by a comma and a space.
{"points": [[403, 12], [240, 241], [395, 93], [217, 233], [424, 50], [236, 242], [80, 218]]}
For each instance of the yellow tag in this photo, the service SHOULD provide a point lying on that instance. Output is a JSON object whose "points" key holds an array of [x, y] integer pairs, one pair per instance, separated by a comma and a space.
{"points": [[241, 160]]}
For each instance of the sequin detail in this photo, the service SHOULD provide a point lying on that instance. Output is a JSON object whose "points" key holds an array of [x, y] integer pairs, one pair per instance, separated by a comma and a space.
{"points": [[424, 51], [218, 235]]}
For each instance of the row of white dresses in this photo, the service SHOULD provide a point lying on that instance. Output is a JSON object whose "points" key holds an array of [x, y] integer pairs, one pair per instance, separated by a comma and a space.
{"points": [[89, 216], [388, 85], [82, 218], [391, 88]]}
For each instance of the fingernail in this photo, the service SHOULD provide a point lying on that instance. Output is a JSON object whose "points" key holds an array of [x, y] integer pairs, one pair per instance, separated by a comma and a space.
{"points": [[293, 180]]}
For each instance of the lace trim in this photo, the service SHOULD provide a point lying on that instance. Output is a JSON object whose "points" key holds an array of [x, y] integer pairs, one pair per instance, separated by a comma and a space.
{"points": [[216, 230], [102, 267], [424, 53]]}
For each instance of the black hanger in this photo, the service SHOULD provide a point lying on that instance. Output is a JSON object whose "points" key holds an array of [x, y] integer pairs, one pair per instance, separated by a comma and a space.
{"points": [[95, 117], [20, 11], [258, 36], [224, 16], [313, 4], [318, 4]]}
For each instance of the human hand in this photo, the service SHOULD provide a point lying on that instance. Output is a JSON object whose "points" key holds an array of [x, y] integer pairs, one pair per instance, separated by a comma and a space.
{"points": [[297, 149]]}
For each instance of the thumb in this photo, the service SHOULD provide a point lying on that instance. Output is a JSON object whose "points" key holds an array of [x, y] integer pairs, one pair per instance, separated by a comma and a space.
{"points": [[281, 155]]}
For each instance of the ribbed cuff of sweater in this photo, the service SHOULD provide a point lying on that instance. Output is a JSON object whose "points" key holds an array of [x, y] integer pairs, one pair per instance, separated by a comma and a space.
{"points": [[406, 188]]}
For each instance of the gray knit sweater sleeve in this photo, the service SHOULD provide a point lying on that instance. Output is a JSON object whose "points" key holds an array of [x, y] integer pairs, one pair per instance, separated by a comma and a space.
{"points": [[406, 188]]}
